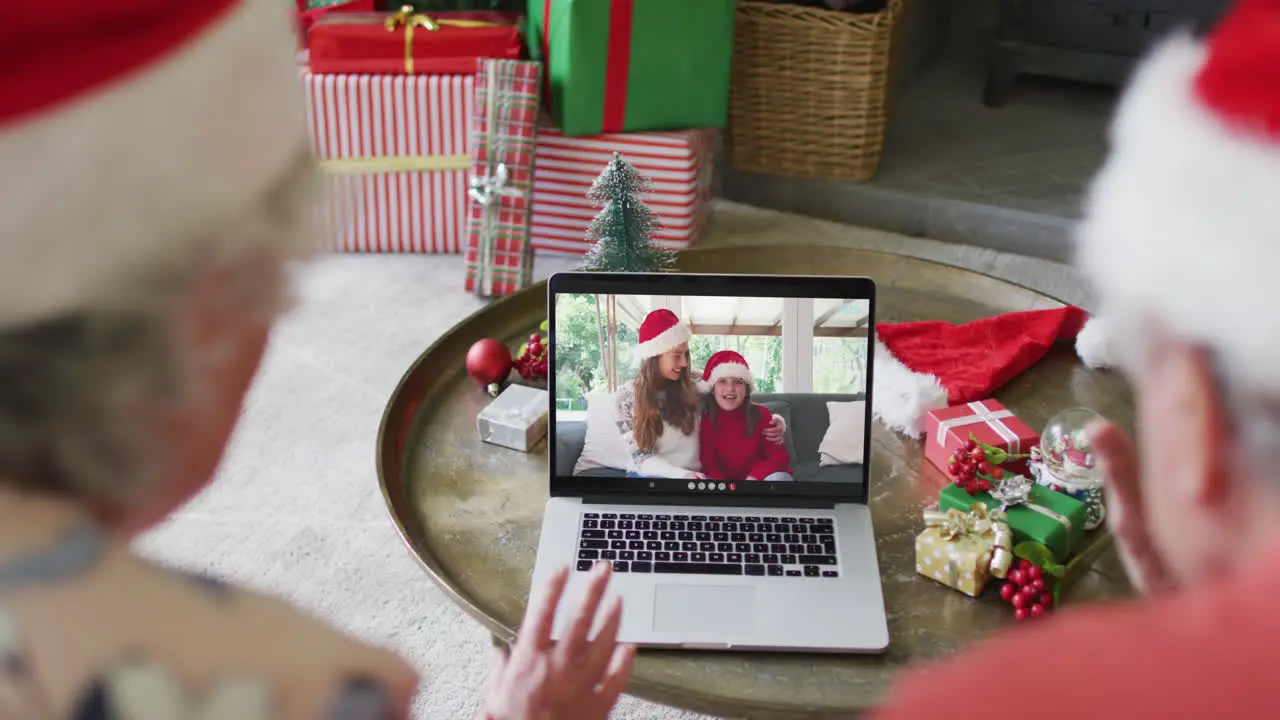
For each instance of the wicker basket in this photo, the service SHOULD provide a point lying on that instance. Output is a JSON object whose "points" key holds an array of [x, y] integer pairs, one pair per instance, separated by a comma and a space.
{"points": [[809, 90]]}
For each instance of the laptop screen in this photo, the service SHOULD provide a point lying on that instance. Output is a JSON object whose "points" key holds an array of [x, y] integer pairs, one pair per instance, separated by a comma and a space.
{"points": [[710, 384]]}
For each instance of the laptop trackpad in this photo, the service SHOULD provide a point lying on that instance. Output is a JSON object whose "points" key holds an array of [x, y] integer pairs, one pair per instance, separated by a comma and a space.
{"points": [[703, 608]]}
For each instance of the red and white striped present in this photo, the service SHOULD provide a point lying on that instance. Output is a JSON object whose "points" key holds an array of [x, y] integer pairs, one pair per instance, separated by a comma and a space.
{"points": [[679, 164], [396, 152]]}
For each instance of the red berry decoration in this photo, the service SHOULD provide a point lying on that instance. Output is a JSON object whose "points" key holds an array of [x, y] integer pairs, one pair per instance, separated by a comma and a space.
{"points": [[970, 444], [1025, 589], [489, 362], [532, 362]]}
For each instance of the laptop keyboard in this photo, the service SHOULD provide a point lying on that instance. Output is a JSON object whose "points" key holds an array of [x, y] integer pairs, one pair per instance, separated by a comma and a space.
{"points": [[766, 546]]}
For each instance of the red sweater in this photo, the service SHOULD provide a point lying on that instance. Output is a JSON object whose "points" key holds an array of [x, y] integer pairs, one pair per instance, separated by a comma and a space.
{"points": [[1204, 652], [728, 453]]}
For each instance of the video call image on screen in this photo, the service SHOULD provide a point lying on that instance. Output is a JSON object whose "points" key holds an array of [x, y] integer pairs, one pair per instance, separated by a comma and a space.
{"points": [[731, 389]]}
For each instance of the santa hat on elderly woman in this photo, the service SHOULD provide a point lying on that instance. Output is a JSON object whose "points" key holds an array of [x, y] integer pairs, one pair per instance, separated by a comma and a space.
{"points": [[725, 364], [129, 127]]}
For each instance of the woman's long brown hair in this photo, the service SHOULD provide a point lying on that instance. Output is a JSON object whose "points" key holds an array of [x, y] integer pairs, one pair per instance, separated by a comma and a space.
{"points": [[681, 408]]}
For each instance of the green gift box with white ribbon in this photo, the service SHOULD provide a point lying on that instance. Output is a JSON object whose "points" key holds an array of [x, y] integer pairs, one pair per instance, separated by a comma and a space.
{"points": [[1035, 513]]}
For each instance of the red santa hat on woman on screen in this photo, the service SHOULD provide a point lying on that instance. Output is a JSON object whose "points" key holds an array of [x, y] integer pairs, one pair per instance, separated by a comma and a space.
{"points": [[725, 364], [660, 331], [131, 127]]}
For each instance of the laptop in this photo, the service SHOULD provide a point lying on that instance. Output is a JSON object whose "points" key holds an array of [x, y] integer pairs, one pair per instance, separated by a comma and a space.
{"points": [[706, 555]]}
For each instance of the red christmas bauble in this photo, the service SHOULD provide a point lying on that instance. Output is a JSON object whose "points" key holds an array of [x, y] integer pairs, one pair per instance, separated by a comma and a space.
{"points": [[489, 362]]}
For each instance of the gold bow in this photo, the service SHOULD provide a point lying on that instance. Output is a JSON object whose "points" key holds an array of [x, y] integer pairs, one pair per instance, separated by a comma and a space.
{"points": [[979, 524], [406, 18]]}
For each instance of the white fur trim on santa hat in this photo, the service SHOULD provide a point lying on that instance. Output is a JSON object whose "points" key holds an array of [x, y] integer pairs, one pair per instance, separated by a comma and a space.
{"points": [[902, 397], [732, 370], [1181, 224], [97, 187], [664, 341], [1093, 343]]}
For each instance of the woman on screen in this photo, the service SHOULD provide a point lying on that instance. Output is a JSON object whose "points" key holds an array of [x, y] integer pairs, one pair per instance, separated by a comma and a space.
{"points": [[659, 412], [732, 430]]}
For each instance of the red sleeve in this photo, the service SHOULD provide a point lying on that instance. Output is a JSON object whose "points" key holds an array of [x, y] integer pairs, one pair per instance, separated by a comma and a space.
{"points": [[774, 456], [707, 451], [1072, 653]]}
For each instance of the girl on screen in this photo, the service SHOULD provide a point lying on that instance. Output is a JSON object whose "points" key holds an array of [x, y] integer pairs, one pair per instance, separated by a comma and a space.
{"points": [[733, 444]]}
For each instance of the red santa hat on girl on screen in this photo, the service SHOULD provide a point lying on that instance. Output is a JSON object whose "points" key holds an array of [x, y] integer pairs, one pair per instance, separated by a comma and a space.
{"points": [[660, 331], [725, 364], [129, 128]]}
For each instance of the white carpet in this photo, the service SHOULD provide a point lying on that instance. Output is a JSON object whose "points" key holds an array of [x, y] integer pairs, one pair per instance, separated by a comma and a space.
{"points": [[295, 509]]}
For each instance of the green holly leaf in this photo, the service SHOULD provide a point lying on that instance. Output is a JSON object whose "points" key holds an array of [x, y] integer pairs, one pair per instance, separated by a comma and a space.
{"points": [[543, 326], [1058, 571], [995, 455], [1034, 553], [523, 348]]}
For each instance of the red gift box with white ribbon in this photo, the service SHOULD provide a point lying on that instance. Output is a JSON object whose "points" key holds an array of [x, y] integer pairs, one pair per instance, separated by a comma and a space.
{"points": [[988, 421]]}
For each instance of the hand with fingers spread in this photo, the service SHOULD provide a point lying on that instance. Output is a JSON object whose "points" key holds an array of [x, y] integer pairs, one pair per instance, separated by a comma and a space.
{"points": [[1126, 511], [579, 678]]}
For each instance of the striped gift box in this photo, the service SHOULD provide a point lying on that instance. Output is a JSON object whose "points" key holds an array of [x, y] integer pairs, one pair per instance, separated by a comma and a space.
{"points": [[396, 152], [679, 164]]}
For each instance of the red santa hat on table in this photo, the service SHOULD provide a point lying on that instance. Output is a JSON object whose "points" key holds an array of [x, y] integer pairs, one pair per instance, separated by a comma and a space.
{"points": [[1182, 224], [725, 364], [923, 366], [660, 331], [128, 128]]}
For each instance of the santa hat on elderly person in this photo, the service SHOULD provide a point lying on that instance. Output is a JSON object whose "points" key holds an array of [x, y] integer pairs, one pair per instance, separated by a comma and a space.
{"points": [[929, 365], [725, 364], [129, 127], [1181, 227], [660, 331]]}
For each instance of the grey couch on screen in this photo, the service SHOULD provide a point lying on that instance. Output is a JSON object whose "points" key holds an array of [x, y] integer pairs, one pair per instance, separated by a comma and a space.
{"points": [[807, 420]]}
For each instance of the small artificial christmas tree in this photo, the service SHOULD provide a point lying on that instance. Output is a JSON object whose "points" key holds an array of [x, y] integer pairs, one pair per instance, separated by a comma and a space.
{"points": [[623, 231]]}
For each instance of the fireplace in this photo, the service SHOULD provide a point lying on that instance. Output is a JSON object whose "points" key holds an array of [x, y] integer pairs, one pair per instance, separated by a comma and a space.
{"points": [[1087, 40]]}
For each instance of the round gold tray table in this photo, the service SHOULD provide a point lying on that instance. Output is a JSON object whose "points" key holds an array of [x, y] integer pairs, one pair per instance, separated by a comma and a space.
{"points": [[471, 512]]}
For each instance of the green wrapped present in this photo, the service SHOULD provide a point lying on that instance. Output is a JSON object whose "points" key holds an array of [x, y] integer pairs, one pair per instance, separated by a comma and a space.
{"points": [[617, 66], [1035, 512]]}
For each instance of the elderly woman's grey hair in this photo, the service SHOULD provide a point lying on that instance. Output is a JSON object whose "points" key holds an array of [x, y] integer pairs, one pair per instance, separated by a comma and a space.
{"points": [[74, 388]]}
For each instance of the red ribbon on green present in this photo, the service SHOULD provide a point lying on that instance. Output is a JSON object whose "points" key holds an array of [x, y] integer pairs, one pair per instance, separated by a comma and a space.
{"points": [[617, 62]]}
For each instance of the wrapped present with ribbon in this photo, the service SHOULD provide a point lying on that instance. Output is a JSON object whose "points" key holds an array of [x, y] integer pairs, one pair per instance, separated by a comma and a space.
{"points": [[411, 43], [309, 12], [396, 153], [964, 548], [1034, 512], [947, 429], [679, 165], [516, 419], [634, 65], [499, 255]]}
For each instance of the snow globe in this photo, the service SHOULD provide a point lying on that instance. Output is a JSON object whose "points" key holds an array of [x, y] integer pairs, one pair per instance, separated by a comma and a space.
{"points": [[1064, 461]]}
